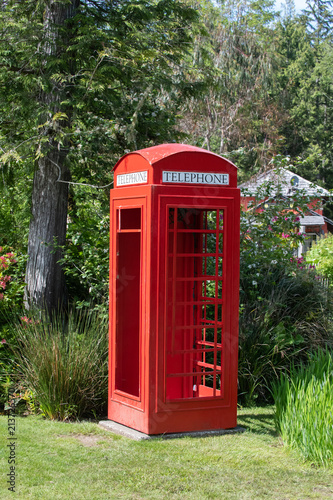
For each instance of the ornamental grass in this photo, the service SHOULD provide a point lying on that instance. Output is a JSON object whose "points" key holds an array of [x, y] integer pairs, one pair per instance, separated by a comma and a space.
{"points": [[64, 363], [304, 408]]}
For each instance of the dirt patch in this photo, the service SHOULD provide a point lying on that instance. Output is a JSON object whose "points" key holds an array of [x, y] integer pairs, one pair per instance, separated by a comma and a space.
{"points": [[85, 439], [325, 491]]}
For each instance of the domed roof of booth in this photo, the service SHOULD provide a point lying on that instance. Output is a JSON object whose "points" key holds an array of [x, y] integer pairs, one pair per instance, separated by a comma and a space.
{"points": [[175, 156]]}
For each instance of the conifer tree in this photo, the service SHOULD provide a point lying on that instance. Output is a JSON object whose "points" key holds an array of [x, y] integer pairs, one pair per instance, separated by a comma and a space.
{"points": [[81, 81], [236, 58]]}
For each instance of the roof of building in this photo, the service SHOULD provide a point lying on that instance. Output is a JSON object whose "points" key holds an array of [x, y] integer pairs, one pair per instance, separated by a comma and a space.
{"points": [[286, 183], [312, 220]]}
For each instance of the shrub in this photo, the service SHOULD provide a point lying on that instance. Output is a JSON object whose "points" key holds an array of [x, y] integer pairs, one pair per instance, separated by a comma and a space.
{"points": [[64, 363], [11, 296], [285, 311], [11, 283], [7, 368], [290, 317], [304, 408], [7, 261], [321, 255], [85, 256]]}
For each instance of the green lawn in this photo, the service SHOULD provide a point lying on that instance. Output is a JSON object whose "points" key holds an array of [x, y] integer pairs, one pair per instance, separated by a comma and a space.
{"points": [[82, 461]]}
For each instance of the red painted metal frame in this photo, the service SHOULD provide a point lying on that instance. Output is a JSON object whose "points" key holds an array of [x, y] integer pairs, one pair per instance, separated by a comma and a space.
{"points": [[190, 369], [147, 406]]}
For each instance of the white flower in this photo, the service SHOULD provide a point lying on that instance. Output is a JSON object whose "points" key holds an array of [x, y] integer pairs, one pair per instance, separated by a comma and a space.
{"points": [[274, 261], [254, 283]]}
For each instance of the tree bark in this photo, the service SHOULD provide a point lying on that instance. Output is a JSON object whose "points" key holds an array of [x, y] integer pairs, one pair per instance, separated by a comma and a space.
{"points": [[45, 281]]}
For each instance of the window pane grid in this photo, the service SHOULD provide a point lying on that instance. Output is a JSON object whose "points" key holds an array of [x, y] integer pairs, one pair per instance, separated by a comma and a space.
{"points": [[194, 314]]}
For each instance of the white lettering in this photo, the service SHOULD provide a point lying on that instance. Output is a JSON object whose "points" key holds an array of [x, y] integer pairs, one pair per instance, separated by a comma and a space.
{"points": [[195, 178], [132, 178]]}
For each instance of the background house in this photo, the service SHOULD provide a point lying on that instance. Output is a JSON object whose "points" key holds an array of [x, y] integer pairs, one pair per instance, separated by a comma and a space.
{"points": [[285, 183]]}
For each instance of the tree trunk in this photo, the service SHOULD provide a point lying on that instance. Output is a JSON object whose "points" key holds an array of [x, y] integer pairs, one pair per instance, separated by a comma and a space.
{"points": [[45, 281]]}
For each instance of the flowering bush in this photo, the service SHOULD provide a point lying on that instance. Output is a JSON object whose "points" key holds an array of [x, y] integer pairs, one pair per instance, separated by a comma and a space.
{"points": [[5, 262], [284, 309], [11, 295], [27, 321], [11, 279]]}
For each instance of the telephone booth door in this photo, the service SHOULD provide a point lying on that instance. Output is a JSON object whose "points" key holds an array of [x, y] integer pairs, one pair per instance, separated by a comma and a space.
{"points": [[200, 294]]}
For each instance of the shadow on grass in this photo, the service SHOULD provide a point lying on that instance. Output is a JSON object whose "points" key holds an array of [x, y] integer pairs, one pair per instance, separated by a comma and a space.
{"points": [[258, 422]]}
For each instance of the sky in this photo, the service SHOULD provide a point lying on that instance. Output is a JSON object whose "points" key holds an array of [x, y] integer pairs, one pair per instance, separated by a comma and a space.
{"points": [[299, 4]]}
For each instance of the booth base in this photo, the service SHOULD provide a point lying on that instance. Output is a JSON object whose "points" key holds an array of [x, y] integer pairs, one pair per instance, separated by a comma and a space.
{"points": [[122, 430]]}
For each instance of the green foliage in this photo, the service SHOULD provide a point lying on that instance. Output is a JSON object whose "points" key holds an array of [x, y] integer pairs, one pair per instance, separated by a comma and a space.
{"points": [[290, 317], [242, 82], [313, 114], [15, 193], [321, 255], [8, 366], [81, 83], [85, 256], [284, 309], [11, 282], [126, 75], [264, 86], [304, 95], [115, 75], [8, 361], [11, 297], [64, 363], [304, 408], [320, 18], [233, 66]]}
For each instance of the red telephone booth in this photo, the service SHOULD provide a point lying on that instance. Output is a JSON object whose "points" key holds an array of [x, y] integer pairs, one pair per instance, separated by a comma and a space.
{"points": [[174, 283]]}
